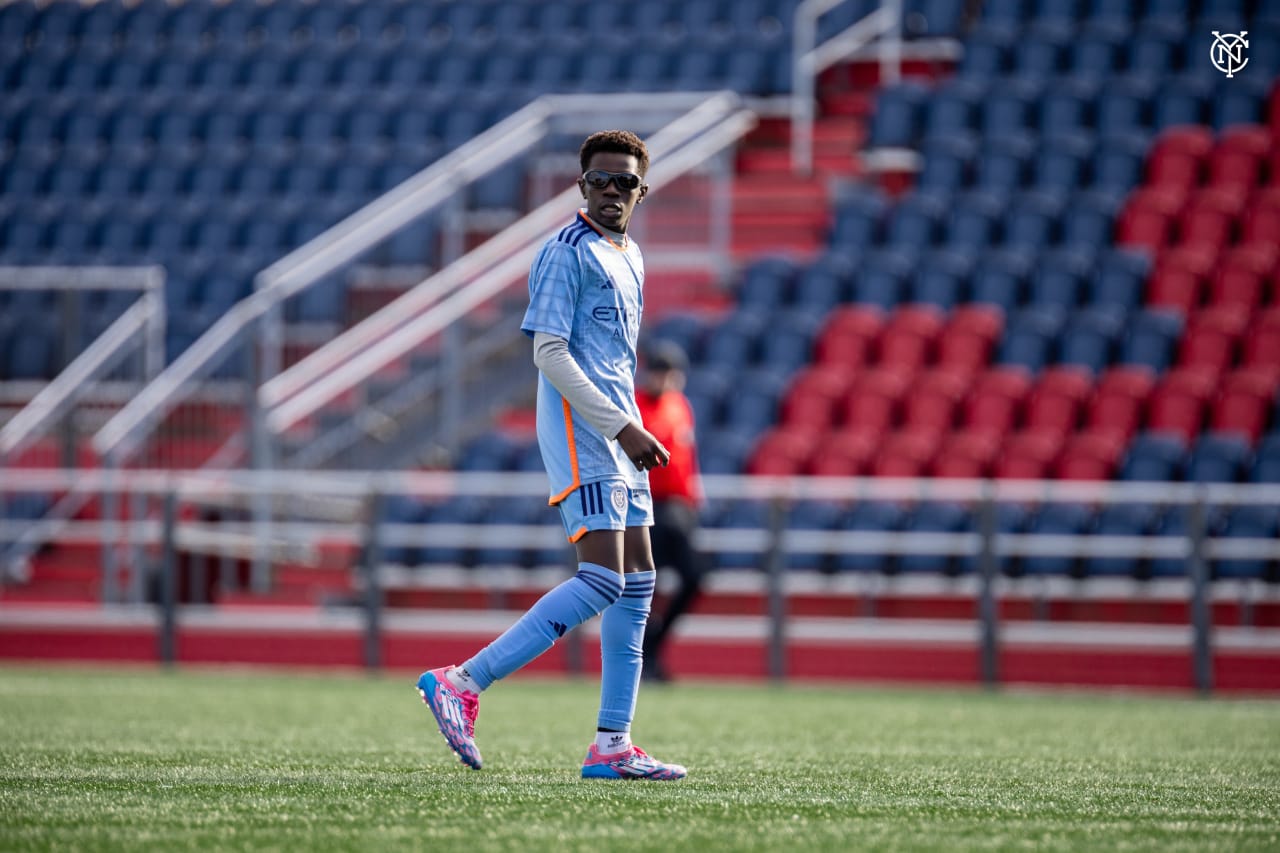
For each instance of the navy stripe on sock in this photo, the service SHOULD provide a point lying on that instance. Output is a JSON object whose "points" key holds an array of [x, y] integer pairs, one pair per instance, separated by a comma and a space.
{"points": [[599, 584]]}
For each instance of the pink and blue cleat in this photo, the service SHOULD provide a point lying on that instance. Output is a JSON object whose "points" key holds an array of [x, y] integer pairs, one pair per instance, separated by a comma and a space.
{"points": [[455, 712], [632, 764]]}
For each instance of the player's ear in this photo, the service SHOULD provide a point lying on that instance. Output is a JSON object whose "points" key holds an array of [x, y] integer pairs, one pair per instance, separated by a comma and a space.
{"points": [[582, 187], [644, 190]]}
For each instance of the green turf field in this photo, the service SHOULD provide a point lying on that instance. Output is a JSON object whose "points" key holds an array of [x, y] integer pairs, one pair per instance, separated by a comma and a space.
{"points": [[136, 759]]}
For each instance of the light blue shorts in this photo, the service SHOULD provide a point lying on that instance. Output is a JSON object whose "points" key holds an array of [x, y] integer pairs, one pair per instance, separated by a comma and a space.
{"points": [[604, 505]]}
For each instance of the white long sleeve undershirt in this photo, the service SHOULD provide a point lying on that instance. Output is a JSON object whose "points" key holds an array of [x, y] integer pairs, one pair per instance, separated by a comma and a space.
{"points": [[551, 356]]}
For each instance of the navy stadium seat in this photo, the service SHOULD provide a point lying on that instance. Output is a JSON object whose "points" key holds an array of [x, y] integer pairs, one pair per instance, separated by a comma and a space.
{"points": [[898, 117], [826, 282], [1119, 279], [1154, 456], [948, 163], [914, 222], [766, 282], [1030, 337], [753, 406], [973, 221], [723, 451], [988, 51], [882, 279], [734, 343], [1031, 220], [1118, 161], [1219, 458], [942, 278], [1150, 338], [953, 109], [1062, 163], [934, 517], [812, 515], [1001, 278], [1266, 465], [859, 220], [1057, 519], [1060, 278], [1090, 337], [873, 517], [1249, 522], [1121, 519]]}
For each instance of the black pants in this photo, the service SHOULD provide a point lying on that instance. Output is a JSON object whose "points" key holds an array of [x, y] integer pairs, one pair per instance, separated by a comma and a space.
{"points": [[674, 523]]}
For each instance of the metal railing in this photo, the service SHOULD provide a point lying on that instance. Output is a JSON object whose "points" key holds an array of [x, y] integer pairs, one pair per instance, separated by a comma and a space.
{"points": [[139, 328], [809, 59], [346, 508], [429, 190]]}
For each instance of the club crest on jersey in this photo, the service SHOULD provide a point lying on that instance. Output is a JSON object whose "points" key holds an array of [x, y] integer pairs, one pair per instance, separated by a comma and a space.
{"points": [[619, 498]]}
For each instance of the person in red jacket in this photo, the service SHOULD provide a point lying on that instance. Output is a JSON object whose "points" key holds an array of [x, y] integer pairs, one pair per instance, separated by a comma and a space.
{"points": [[676, 490]]}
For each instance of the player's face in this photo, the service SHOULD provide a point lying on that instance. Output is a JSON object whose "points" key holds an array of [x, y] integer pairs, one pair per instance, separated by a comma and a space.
{"points": [[610, 205]]}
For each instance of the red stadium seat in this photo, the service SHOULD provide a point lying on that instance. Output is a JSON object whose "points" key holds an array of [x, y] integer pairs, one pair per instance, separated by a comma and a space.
{"points": [[906, 454], [1262, 220], [1209, 218], [1244, 401], [966, 454], [1027, 455], [1243, 276], [995, 402], [814, 395], [1119, 401], [783, 451], [969, 336], [845, 453], [1178, 156], [1090, 455], [1057, 400], [1239, 157], [1179, 402], [908, 338], [1148, 217], [1261, 346], [849, 335], [1179, 280], [934, 399], [874, 399]]}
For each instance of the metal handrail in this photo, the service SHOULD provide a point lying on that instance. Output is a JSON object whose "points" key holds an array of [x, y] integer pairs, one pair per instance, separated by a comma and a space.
{"points": [[352, 358], [810, 59], [147, 314], [362, 230]]}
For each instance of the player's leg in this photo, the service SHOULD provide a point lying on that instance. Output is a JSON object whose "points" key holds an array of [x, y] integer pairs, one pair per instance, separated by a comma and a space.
{"points": [[596, 529], [622, 624]]}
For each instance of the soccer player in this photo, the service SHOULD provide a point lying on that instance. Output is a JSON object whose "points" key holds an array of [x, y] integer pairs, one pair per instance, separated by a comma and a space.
{"points": [[585, 297], [676, 489]]}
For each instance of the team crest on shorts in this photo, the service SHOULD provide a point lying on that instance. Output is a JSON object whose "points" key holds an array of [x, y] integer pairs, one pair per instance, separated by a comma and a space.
{"points": [[620, 498]]}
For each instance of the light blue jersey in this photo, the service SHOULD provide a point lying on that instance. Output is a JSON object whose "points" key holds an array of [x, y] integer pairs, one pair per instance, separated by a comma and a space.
{"points": [[587, 288]]}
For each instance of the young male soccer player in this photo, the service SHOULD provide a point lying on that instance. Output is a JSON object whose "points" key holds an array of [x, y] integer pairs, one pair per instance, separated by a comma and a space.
{"points": [[585, 297]]}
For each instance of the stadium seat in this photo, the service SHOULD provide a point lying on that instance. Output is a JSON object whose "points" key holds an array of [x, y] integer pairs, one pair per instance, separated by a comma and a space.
{"points": [[1212, 336], [1239, 157], [994, 405], [898, 117], [1148, 218], [1121, 519], [1088, 221], [783, 451], [789, 342], [968, 338], [845, 453], [753, 405], [1065, 110], [849, 337], [1261, 346], [933, 517], [1118, 404], [1249, 522], [966, 454], [1118, 161], [1004, 163], [934, 401], [1057, 519], [1030, 337], [953, 108], [812, 515], [814, 394], [1179, 280], [914, 221], [734, 343], [906, 453], [948, 163], [882, 280], [871, 517], [1180, 401], [1219, 458], [1027, 455], [1175, 524], [1090, 455], [1031, 221], [859, 220], [1209, 218], [942, 279], [1060, 280], [1090, 336], [1057, 400], [825, 283], [908, 338], [724, 451], [973, 222], [1243, 276], [766, 283], [1154, 456], [1118, 280], [1000, 278], [874, 399], [1124, 103]]}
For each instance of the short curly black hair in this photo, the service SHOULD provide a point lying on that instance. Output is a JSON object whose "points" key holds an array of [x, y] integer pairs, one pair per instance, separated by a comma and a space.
{"points": [[617, 142]]}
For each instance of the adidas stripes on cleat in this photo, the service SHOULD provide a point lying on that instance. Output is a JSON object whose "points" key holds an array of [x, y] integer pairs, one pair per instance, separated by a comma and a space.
{"points": [[455, 712], [632, 764]]}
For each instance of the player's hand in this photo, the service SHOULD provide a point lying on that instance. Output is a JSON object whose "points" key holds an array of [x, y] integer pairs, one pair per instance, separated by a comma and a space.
{"points": [[642, 448]]}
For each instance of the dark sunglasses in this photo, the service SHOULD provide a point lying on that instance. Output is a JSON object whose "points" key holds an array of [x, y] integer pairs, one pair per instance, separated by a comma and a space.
{"points": [[599, 179]]}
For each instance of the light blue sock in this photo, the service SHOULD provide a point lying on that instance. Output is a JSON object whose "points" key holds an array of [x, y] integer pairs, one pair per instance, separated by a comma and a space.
{"points": [[562, 609], [622, 651]]}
